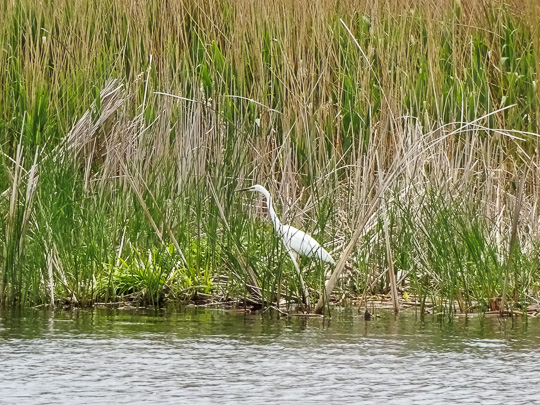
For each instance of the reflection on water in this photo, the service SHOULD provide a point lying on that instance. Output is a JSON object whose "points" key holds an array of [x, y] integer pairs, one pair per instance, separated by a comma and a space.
{"points": [[216, 356]]}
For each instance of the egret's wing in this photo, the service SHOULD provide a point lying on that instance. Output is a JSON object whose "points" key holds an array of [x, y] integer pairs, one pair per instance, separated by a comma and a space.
{"points": [[303, 244]]}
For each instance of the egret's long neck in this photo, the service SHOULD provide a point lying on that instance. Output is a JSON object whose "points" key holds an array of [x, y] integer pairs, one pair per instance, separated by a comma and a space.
{"points": [[273, 216]]}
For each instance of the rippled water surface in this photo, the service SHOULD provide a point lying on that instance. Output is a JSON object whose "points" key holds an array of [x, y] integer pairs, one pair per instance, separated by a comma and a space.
{"points": [[218, 356]]}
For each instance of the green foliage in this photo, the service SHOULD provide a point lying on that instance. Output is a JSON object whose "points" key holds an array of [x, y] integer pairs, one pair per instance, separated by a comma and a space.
{"points": [[141, 276]]}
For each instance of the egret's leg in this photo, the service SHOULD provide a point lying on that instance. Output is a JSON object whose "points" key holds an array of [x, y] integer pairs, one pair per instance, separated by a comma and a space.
{"points": [[327, 275]]}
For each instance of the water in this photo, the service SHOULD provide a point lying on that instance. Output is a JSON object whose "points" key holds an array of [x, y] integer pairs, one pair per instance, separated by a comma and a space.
{"points": [[217, 356]]}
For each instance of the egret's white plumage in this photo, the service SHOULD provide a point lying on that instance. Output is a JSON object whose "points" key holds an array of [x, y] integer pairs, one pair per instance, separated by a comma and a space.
{"points": [[298, 241]]}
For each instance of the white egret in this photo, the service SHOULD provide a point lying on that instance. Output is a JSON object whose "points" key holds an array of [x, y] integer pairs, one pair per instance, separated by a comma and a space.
{"points": [[296, 241]]}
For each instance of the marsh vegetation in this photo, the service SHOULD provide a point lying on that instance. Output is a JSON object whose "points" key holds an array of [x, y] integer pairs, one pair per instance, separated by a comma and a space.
{"points": [[402, 136]]}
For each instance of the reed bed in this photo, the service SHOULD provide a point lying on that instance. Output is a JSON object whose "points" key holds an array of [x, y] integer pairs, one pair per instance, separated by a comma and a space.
{"points": [[402, 135]]}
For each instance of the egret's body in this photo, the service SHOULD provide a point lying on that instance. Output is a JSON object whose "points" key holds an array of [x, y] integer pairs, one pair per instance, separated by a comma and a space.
{"points": [[303, 244], [296, 240]]}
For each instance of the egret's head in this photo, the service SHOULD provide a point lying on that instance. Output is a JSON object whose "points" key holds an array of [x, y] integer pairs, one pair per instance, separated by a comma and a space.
{"points": [[256, 187]]}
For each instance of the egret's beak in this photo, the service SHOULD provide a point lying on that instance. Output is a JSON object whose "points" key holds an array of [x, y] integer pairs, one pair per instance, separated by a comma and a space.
{"points": [[243, 189]]}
